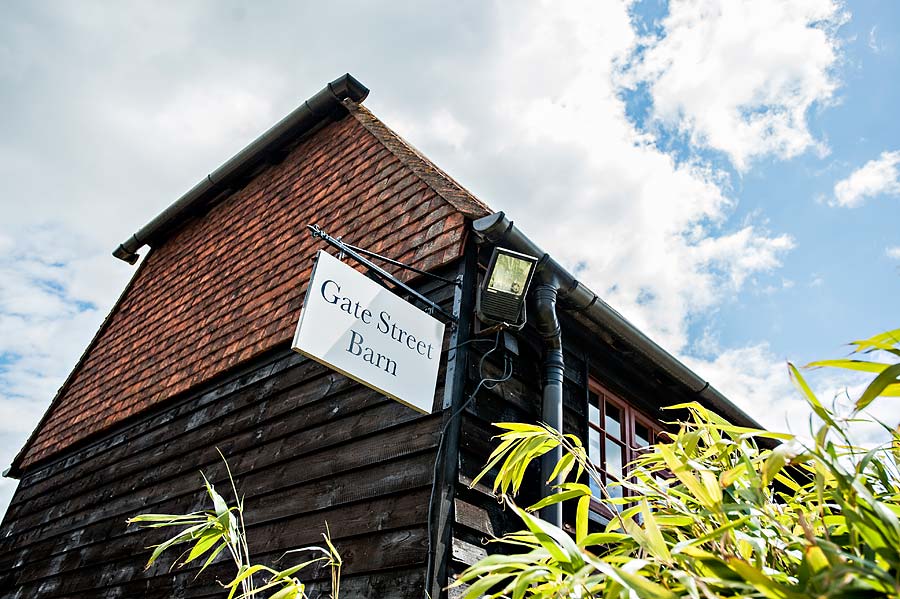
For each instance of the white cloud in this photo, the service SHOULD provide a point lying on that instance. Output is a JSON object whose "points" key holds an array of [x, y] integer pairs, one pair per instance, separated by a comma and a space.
{"points": [[893, 252], [740, 76], [876, 177], [558, 152], [55, 288], [873, 40]]}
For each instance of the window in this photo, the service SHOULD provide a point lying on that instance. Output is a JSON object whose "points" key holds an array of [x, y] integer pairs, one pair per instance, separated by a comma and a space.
{"points": [[617, 433]]}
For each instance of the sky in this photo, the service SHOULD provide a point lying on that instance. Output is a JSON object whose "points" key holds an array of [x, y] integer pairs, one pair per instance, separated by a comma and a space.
{"points": [[725, 173]]}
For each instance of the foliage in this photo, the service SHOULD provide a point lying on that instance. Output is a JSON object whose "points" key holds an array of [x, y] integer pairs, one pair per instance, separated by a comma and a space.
{"points": [[714, 511], [207, 534]]}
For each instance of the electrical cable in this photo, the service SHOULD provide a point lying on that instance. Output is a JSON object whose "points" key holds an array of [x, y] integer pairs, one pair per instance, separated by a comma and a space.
{"points": [[487, 383]]}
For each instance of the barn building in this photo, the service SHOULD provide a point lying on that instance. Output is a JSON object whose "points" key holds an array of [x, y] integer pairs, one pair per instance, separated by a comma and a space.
{"points": [[196, 357]]}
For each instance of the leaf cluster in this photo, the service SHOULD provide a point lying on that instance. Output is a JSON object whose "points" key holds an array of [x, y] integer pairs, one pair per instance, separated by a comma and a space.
{"points": [[714, 511], [206, 534]]}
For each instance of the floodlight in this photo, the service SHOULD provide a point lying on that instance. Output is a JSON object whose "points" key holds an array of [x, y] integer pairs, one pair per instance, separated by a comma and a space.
{"points": [[501, 298]]}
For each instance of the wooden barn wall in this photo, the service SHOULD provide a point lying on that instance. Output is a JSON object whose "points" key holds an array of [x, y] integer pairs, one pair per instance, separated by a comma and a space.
{"points": [[307, 446], [477, 514]]}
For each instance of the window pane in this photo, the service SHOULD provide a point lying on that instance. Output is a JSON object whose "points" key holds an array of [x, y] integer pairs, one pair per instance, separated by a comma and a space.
{"points": [[641, 435], [615, 492], [595, 489], [594, 445], [614, 458], [594, 411], [613, 421]]}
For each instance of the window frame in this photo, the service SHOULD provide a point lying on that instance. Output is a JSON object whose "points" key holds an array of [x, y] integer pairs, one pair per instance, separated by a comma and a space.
{"points": [[629, 417]]}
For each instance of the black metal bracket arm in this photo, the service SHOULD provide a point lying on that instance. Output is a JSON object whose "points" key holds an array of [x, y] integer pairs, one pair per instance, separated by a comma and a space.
{"points": [[384, 276]]}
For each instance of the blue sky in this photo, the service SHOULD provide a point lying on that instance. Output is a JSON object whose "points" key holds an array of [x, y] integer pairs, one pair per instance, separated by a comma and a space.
{"points": [[844, 248], [725, 173], [839, 281]]}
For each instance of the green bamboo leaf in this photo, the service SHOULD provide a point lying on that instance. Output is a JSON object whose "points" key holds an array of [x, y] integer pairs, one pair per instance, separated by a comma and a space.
{"points": [[289, 592], [574, 491], [555, 540], [816, 559], [877, 386], [885, 341], [860, 365], [761, 582], [728, 477], [212, 557], [526, 579], [711, 484], [483, 585], [194, 518], [184, 536], [892, 390], [288, 572], [639, 585], [895, 446], [562, 469], [219, 504], [778, 458], [602, 538], [655, 541], [495, 457], [685, 476], [206, 542], [244, 573], [519, 427], [686, 545], [811, 398], [582, 519]]}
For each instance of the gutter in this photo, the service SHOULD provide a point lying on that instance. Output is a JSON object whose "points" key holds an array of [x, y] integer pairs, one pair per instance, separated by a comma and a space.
{"points": [[325, 104], [577, 298]]}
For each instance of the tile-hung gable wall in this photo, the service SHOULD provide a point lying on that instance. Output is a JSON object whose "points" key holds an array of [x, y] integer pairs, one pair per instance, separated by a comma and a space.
{"points": [[195, 358], [229, 285]]}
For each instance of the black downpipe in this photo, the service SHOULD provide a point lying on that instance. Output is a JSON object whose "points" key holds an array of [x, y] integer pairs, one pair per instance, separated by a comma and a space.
{"points": [[547, 324]]}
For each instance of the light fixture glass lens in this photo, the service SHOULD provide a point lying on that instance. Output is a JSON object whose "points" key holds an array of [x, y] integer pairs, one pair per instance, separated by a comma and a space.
{"points": [[510, 275]]}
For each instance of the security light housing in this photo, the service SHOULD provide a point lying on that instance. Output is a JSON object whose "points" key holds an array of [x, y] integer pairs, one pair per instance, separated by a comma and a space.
{"points": [[501, 297]]}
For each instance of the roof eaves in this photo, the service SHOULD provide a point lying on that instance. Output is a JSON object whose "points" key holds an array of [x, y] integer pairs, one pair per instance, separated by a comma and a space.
{"points": [[324, 105]]}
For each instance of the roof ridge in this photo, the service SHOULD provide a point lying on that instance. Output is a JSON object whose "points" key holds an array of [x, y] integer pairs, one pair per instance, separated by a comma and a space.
{"points": [[445, 186]]}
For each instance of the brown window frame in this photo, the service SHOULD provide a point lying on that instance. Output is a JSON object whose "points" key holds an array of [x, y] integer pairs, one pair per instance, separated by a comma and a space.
{"points": [[629, 416]]}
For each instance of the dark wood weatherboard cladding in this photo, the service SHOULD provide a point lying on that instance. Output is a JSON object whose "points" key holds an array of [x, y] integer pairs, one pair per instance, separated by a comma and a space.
{"points": [[307, 446]]}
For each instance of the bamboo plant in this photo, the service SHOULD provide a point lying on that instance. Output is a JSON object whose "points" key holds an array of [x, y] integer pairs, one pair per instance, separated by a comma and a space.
{"points": [[206, 534], [711, 512]]}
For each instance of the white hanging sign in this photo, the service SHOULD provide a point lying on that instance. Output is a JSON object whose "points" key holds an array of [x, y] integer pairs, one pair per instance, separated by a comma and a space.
{"points": [[364, 331]]}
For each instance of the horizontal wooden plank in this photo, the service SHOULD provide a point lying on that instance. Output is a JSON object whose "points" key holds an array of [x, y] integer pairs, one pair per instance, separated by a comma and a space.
{"points": [[266, 534], [268, 439], [473, 516], [369, 553], [467, 553], [207, 423], [285, 481], [153, 431]]}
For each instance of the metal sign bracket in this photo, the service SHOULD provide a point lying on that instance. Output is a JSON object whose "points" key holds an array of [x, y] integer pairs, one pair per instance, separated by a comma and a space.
{"points": [[358, 254]]}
